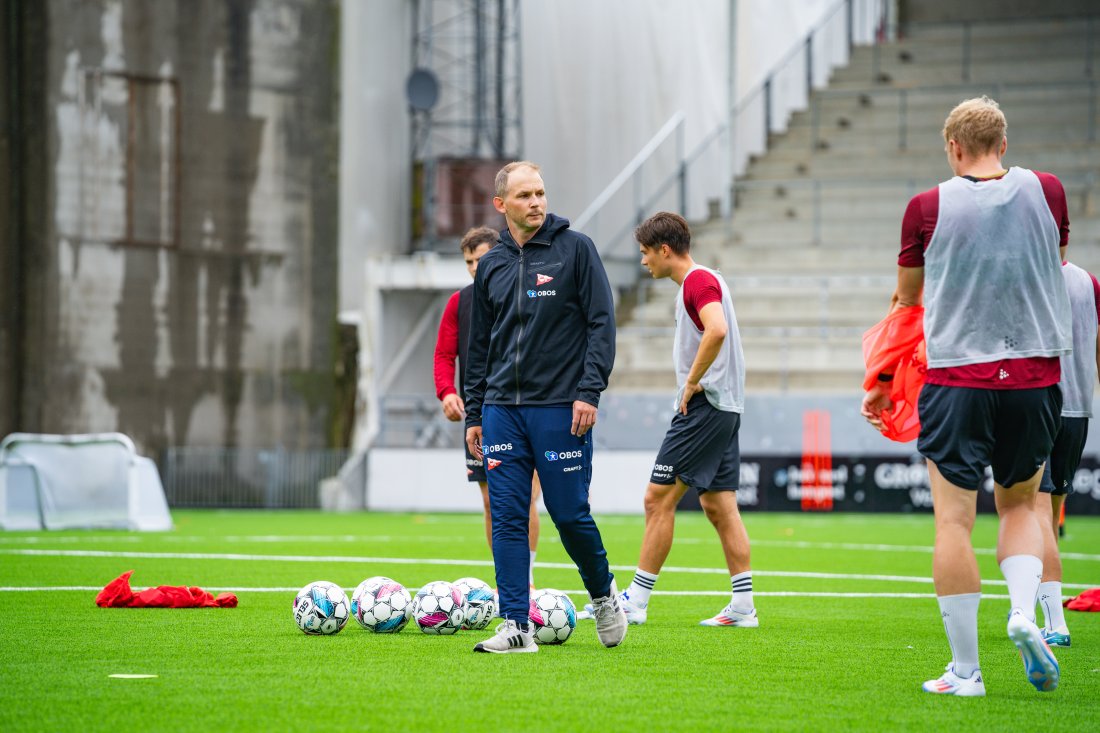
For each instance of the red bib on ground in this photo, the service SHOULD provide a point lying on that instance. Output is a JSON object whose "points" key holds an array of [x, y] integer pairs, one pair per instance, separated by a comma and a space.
{"points": [[896, 343], [117, 594], [1089, 600]]}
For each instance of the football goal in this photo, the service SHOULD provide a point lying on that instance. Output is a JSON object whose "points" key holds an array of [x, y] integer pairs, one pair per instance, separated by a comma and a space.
{"points": [[79, 482]]}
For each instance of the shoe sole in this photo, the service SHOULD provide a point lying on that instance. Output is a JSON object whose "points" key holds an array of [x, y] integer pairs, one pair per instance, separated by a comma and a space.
{"points": [[517, 650], [1040, 666]]}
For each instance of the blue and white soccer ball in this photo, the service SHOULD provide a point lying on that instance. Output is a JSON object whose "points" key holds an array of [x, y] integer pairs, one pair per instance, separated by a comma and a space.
{"points": [[321, 608], [437, 608], [479, 603], [381, 604], [553, 616]]}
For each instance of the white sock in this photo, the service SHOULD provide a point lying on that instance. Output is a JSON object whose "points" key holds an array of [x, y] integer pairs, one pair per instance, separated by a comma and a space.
{"points": [[960, 621], [641, 587], [1023, 573], [1050, 599], [742, 592], [531, 570]]}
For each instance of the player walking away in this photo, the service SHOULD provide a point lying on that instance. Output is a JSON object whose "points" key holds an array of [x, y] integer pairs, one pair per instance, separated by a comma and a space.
{"points": [[451, 344], [984, 249], [700, 450], [1079, 372], [542, 343]]}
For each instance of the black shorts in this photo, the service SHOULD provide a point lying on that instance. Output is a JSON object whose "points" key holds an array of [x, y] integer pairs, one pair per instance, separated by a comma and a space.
{"points": [[475, 469], [701, 449], [1065, 456], [963, 430]]}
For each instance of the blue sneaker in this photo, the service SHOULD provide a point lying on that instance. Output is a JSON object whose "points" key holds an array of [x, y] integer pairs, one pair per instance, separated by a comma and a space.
{"points": [[1056, 638], [1039, 663]]}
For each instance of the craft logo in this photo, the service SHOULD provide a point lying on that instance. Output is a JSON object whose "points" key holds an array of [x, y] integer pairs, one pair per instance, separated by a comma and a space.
{"points": [[491, 463], [542, 279]]}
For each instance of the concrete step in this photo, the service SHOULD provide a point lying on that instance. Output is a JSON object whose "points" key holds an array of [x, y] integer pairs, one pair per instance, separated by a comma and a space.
{"points": [[811, 252], [927, 162], [1000, 31]]}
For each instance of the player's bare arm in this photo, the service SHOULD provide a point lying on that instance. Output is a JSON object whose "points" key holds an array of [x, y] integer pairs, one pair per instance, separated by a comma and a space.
{"points": [[714, 333], [1098, 356], [908, 294], [910, 288]]}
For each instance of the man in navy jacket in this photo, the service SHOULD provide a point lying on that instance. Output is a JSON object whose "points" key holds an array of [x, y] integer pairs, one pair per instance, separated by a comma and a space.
{"points": [[542, 343]]}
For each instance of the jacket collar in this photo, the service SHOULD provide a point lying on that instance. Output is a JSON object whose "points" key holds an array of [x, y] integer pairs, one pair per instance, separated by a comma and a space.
{"points": [[544, 236]]}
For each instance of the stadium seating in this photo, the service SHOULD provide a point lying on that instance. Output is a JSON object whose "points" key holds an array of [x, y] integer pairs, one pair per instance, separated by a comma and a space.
{"points": [[811, 252]]}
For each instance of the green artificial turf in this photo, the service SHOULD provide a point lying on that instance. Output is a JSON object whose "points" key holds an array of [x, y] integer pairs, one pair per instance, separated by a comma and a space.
{"points": [[815, 663]]}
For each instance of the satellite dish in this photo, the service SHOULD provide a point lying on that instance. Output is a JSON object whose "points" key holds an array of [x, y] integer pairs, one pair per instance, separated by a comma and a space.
{"points": [[422, 89]]}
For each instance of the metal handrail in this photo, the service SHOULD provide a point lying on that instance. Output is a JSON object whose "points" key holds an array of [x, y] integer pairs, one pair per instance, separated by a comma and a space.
{"points": [[674, 124]]}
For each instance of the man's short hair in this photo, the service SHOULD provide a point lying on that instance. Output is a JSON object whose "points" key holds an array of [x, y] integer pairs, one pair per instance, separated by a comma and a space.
{"points": [[665, 227], [478, 236], [978, 125], [502, 175]]}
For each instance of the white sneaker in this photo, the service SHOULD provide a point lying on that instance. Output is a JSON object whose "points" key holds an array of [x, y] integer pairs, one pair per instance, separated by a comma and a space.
{"points": [[509, 639], [610, 618], [1040, 666], [1056, 637], [635, 615], [950, 683], [728, 616]]}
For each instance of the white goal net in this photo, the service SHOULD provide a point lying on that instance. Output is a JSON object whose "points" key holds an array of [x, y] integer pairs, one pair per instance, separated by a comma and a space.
{"points": [[79, 482]]}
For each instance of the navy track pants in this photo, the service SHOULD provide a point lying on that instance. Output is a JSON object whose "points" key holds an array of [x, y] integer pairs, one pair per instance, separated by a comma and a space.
{"points": [[515, 441]]}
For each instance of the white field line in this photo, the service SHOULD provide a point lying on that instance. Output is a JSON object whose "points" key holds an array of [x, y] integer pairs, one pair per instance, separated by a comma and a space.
{"points": [[722, 593], [469, 563], [267, 539]]}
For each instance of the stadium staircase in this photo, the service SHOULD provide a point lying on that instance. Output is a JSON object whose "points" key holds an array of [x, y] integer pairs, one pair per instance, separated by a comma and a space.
{"points": [[811, 250]]}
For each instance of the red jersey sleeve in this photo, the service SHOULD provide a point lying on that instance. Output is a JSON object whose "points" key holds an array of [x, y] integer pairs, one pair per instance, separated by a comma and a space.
{"points": [[1056, 200], [446, 350], [1096, 295], [700, 288], [917, 226]]}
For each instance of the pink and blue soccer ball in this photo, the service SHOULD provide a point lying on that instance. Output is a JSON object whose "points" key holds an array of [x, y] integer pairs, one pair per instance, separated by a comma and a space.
{"points": [[437, 608], [479, 603], [553, 616], [381, 605], [321, 608]]}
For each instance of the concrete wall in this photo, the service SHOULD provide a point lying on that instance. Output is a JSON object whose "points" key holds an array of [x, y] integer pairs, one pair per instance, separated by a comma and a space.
{"points": [[181, 284]]}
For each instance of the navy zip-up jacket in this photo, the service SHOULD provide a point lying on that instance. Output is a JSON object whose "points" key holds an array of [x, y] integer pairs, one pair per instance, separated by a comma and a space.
{"points": [[542, 323]]}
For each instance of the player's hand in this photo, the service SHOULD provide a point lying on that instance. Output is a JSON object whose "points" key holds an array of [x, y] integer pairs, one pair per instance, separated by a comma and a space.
{"points": [[584, 417], [874, 402], [473, 441], [453, 407], [690, 390]]}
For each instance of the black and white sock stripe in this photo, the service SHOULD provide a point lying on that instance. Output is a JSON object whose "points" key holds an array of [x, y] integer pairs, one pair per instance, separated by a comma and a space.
{"points": [[741, 584]]}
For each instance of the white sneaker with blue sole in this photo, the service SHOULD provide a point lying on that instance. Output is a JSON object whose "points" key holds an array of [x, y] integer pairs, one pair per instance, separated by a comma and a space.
{"points": [[1040, 666]]}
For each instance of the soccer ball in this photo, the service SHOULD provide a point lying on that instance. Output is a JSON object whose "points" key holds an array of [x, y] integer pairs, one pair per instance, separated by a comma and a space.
{"points": [[321, 608], [437, 608], [381, 605], [479, 603], [552, 616]]}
